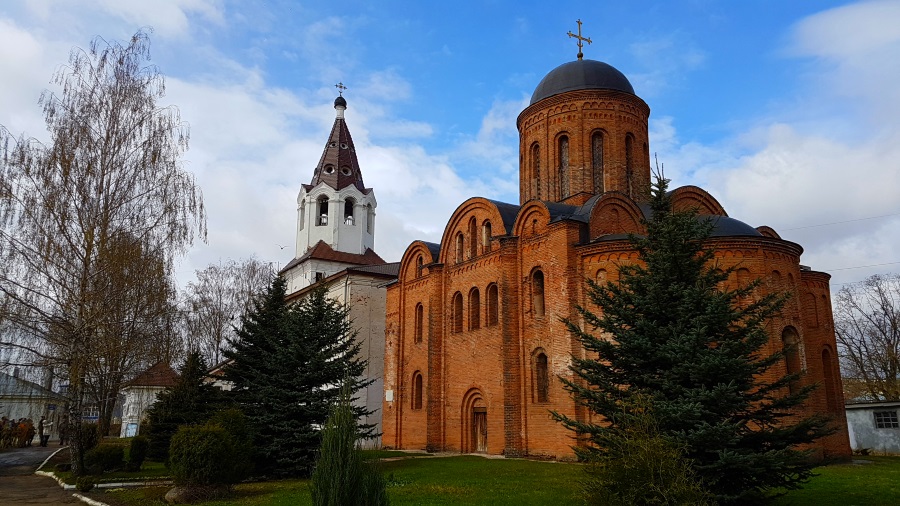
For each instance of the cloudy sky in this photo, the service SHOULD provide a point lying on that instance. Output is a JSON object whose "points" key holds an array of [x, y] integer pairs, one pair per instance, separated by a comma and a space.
{"points": [[787, 112]]}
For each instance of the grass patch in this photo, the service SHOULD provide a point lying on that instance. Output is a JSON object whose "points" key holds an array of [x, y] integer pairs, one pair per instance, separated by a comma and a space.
{"points": [[475, 480], [149, 471], [387, 454], [874, 484]]}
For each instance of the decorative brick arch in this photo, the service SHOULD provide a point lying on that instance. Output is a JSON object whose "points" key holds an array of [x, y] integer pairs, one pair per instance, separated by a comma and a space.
{"points": [[533, 219], [478, 208], [614, 213], [473, 404], [693, 197], [410, 266]]}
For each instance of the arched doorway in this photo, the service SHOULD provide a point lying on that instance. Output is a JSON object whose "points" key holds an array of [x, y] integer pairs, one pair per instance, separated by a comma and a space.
{"points": [[474, 437]]}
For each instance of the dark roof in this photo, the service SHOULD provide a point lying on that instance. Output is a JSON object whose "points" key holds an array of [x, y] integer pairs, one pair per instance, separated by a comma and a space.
{"points": [[159, 374], [581, 75], [508, 213], [388, 270], [322, 251], [11, 386], [435, 249], [338, 167], [560, 212], [730, 227]]}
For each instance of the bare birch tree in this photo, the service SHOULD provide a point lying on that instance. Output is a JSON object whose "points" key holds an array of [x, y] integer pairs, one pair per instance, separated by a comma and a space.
{"points": [[215, 302], [89, 218], [867, 324]]}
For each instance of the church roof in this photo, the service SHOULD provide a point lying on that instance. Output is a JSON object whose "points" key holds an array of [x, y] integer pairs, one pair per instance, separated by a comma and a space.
{"points": [[159, 374], [322, 251], [11, 386], [581, 75], [389, 270], [508, 213], [338, 167]]}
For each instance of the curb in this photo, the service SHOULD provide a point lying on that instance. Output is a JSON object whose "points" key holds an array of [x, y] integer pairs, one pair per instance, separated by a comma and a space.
{"points": [[87, 500]]}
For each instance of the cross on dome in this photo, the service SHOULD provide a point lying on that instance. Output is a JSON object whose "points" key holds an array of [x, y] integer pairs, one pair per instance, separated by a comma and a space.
{"points": [[580, 39]]}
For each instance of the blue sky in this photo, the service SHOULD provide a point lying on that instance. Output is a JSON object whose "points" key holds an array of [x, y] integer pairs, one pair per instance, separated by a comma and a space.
{"points": [[785, 111]]}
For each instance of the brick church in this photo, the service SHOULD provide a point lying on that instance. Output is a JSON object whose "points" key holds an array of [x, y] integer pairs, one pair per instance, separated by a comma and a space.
{"points": [[474, 343]]}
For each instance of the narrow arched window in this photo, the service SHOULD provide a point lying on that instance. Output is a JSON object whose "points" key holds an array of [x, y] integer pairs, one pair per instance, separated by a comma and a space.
{"points": [[420, 262], [563, 152], [420, 316], [486, 236], [790, 342], [349, 205], [597, 160], [537, 293], [457, 313], [629, 164], [831, 402], [370, 219], [473, 238], [474, 309], [541, 378], [460, 247], [493, 304], [417, 391], [302, 214], [536, 168], [322, 207], [811, 309]]}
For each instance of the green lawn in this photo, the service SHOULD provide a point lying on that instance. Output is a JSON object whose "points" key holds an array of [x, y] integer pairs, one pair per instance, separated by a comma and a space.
{"points": [[476, 480]]}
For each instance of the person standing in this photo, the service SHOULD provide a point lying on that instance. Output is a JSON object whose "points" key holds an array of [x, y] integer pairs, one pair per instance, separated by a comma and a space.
{"points": [[44, 431]]}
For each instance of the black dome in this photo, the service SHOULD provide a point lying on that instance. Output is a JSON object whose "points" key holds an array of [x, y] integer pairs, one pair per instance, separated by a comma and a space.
{"points": [[581, 75], [723, 226], [340, 102]]}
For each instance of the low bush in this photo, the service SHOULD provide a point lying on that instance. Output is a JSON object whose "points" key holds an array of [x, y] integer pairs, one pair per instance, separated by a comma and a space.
{"points": [[85, 483], [137, 452], [104, 458], [207, 455], [90, 437]]}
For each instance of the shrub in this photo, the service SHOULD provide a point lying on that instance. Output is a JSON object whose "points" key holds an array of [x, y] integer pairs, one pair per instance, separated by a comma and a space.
{"points": [[85, 483], [341, 475], [235, 422], [137, 452], [103, 458], [90, 436], [638, 465], [205, 456]]}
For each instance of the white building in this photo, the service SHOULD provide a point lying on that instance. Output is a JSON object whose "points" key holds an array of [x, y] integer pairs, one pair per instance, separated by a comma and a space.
{"points": [[335, 248], [140, 393], [874, 426]]}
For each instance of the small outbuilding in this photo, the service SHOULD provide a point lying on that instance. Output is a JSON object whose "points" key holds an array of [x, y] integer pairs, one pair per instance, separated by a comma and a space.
{"points": [[140, 393], [874, 426]]}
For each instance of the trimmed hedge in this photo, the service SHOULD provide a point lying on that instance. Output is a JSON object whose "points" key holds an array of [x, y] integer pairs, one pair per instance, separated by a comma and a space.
{"points": [[205, 455], [104, 458], [137, 452]]}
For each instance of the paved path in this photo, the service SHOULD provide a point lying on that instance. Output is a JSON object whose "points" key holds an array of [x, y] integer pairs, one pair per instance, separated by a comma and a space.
{"points": [[19, 484]]}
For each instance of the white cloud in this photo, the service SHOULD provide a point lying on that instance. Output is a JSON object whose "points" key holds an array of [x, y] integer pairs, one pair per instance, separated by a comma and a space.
{"points": [[833, 157]]}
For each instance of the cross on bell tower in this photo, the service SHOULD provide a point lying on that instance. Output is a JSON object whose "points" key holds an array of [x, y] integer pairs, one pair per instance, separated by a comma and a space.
{"points": [[580, 39]]}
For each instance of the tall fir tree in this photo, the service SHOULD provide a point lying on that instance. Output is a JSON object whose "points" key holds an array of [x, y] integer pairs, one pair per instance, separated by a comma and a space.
{"points": [[669, 332], [192, 400], [287, 365]]}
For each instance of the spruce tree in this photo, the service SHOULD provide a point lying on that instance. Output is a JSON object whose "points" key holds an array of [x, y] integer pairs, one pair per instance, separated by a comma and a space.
{"points": [[190, 401], [668, 332], [288, 363]]}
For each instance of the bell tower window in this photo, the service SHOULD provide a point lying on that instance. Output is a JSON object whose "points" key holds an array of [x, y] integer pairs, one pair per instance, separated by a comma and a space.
{"points": [[322, 207], [349, 205]]}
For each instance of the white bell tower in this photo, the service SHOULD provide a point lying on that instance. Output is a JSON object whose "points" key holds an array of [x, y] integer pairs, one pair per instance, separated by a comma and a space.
{"points": [[335, 212]]}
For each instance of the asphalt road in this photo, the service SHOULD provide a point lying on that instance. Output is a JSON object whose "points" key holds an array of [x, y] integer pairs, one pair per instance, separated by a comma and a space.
{"points": [[19, 484]]}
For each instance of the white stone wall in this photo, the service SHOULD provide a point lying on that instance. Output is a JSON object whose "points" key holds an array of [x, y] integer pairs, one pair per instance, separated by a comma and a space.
{"points": [[349, 236], [137, 400], [864, 434]]}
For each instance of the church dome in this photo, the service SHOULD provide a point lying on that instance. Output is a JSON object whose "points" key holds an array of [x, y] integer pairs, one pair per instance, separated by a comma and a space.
{"points": [[581, 75]]}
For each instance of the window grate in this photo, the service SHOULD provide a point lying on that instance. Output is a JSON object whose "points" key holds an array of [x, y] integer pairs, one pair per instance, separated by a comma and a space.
{"points": [[886, 420]]}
